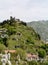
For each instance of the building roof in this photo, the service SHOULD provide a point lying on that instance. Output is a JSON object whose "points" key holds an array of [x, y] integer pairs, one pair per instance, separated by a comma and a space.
{"points": [[11, 51], [32, 55]]}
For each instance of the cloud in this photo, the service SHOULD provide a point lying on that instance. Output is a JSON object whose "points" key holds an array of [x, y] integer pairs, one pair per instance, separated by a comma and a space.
{"points": [[26, 10]]}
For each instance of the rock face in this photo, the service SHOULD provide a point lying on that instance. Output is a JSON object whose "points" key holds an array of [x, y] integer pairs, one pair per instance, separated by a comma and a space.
{"points": [[6, 59]]}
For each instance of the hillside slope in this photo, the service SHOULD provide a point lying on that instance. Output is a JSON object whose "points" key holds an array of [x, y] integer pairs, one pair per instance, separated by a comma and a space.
{"points": [[40, 27], [16, 35]]}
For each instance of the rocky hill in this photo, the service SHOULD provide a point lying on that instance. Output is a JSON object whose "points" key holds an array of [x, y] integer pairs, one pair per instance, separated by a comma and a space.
{"points": [[16, 35]]}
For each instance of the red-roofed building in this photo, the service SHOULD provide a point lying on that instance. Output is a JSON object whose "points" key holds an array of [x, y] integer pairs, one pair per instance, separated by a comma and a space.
{"points": [[11, 51], [31, 57]]}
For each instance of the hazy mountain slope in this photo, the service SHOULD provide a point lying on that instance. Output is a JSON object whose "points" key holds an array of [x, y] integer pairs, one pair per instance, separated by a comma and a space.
{"points": [[40, 27]]}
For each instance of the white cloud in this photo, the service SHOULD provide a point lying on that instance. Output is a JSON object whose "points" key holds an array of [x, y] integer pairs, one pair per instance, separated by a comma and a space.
{"points": [[26, 10]]}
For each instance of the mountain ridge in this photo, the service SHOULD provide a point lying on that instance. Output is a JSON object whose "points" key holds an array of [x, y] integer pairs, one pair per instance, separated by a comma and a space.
{"points": [[40, 27]]}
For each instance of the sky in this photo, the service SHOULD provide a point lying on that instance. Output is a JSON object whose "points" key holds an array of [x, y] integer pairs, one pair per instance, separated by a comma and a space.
{"points": [[26, 10]]}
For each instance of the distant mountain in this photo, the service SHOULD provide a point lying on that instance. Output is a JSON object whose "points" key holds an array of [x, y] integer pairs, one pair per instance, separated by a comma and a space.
{"points": [[40, 27]]}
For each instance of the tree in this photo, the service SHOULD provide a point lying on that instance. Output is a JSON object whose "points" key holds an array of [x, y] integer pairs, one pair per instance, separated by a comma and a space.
{"points": [[21, 53], [23, 23], [11, 31], [44, 63], [33, 63], [42, 53], [29, 40], [38, 36], [5, 41]]}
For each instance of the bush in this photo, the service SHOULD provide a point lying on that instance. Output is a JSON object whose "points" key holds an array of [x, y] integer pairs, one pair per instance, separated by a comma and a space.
{"points": [[5, 41], [23, 23], [42, 53], [11, 31], [32, 63]]}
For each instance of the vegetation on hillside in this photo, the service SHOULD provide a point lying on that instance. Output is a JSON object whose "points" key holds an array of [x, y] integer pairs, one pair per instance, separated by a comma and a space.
{"points": [[40, 27], [15, 34]]}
